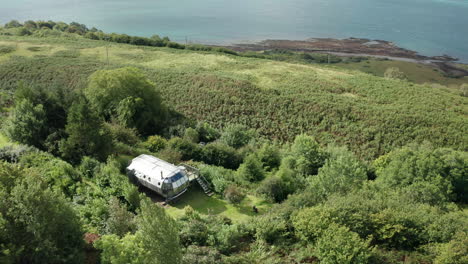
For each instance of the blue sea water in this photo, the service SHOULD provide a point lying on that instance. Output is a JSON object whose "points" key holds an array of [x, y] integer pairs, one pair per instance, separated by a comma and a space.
{"points": [[431, 27]]}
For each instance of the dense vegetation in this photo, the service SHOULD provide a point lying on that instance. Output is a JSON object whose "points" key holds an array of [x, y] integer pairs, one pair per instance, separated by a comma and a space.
{"points": [[396, 193]]}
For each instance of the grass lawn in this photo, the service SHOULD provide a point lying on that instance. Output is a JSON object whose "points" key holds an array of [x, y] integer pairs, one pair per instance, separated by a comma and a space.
{"points": [[204, 204]]}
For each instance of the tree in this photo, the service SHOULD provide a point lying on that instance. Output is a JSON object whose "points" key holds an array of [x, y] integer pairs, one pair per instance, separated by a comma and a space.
{"points": [[274, 189], [269, 156], [233, 194], [86, 134], [40, 224], [440, 171], [13, 24], [236, 135], [394, 73], [252, 169], [155, 143], [307, 154], [191, 135], [341, 173], [128, 96], [158, 235], [339, 245], [27, 124]]}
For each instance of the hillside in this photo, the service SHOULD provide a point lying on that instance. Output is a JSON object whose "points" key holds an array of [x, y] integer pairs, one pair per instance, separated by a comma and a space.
{"points": [[298, 162], [370, 115]]}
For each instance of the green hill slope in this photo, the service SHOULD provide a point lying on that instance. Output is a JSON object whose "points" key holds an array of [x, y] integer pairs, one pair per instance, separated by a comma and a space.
{"points": [[371, 115]]}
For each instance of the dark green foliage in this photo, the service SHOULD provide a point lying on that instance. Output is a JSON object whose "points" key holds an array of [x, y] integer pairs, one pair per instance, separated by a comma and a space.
{"points": [[188, 149], [158, 234], [206, 132], [237, 136], [13, 24], [27, 124], [233, 194], [339, 245], [40, 225], [219, 154], [425, 169], [120, 221], [251, 170], [270, 157], [219, 177], [191, 135], [307, 155], [86, 135], [126, 94], [341, 173], [274, 189]]}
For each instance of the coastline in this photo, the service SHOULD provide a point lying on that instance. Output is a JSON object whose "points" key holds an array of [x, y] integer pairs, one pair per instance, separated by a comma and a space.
{"points": [[357, 47]]}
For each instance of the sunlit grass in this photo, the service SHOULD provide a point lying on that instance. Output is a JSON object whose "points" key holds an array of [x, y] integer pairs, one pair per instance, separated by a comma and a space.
{"points": [[214, 205]]}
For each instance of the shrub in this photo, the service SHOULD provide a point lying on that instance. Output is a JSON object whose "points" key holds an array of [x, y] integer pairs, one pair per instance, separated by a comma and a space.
{"points": [[236, 135], [189, 150], [339, 245], [307, 154], [394, 73], [155, 143], [269, 155], [219, 154], [201, 255], [454, 252], [191, 135], [233, 194], [206, 132], [252, 169], [274, 189], [219, 177]]}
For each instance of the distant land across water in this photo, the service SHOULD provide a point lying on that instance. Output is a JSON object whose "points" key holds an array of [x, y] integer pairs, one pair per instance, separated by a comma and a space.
{"points": [[431, 27]]}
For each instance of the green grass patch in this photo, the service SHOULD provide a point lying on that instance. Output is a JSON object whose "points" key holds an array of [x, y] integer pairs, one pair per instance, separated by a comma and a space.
{"points": [[214, 205], [416, 72]]}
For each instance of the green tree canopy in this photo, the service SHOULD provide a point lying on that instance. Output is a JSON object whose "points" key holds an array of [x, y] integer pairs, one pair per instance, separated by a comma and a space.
{"points": [[86, 134], [126, 95], [40, 225], [27, 123]]}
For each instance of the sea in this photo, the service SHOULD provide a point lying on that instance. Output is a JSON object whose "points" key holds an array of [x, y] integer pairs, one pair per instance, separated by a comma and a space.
{"points": [[431, 27]]}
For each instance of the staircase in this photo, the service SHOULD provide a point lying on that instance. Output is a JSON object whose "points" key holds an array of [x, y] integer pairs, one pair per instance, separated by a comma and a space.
{"points": [[194, 174], [204, 184]]}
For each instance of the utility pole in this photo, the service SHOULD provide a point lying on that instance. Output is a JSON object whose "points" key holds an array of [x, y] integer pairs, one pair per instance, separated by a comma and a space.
{"points": [[107, 53], [328, 58], [186, 40]]}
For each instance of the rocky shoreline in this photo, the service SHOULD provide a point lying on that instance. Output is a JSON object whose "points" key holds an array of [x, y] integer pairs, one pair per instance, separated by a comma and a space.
{"points": [[357, 47]]}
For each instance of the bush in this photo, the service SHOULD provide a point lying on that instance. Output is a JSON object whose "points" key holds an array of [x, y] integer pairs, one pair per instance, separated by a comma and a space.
{"points": [[307, 155], [219, 154], [206, 132], [201, 255], [270, 157], [394, 73], [274, 189], [191, 135], [219, 177], [155, 143], [237, 136], [189, 150], [339, 245], [233, 194], [252, 169]]}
